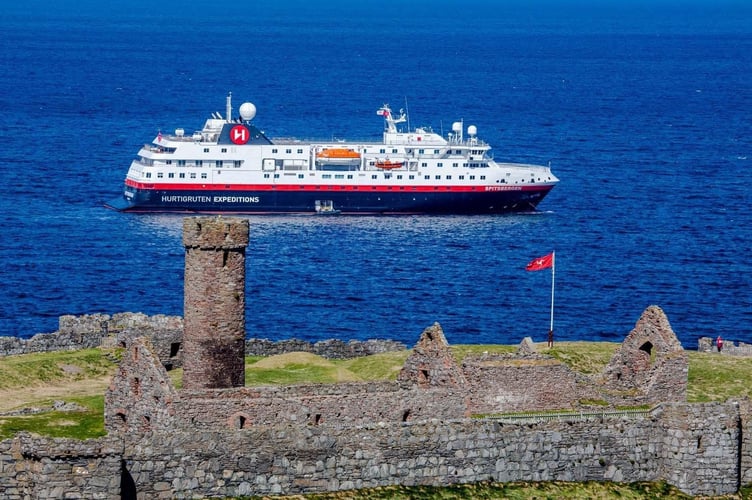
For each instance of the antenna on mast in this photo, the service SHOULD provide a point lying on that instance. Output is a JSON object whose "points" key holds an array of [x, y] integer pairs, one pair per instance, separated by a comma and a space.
{"points": [[407, 112]]}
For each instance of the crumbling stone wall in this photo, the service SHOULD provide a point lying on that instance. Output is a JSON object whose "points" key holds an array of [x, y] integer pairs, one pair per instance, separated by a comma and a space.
{"points": [[330, 349], [166, 336], [745, 463], [730, 347], [692, 442], [504, 383], [266, 460], [696, 447], [50, 469], [318, 405], [102, 330], [651, 364]]}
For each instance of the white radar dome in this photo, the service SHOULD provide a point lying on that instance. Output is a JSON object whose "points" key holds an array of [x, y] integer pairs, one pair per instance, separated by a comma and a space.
{"points": [[472, 130], [247, 111], [456, 127]]}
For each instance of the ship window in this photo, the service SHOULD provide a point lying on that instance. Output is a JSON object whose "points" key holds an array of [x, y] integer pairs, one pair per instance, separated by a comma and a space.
{"points": [[435, 151], [462, 177], [237, 163], [148, 175], [171, 175], [301, 176], [483, 177], [218, 163], [266, 176], [455, 164], [411, 177], [338, 176], [193, 175], [399, 176], [160, 175], [168, 162], [424, 165], [276, 176], [300, 151], [449, 177], [206, 150], [387, 176], [203, 175], [374, 177], [439, 164], [472, 177], [427, 177], [326, 176], [224, 150], [182, 175], [275, 151], [394, 150], [349, 176], [288, 151], [382, 150], [199, 163], [438, 177], [421, 151]]}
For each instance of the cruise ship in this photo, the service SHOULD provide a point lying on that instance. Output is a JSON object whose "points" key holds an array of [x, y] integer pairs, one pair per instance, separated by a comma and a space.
{"points": [[231, 166]]}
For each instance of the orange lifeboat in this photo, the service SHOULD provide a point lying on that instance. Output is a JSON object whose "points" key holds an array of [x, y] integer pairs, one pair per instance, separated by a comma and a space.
{"points": [[389, 164], [338, 155]]}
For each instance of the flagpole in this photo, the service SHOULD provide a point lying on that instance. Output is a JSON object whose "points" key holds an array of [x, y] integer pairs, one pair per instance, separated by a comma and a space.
{"points": [[553, 277]]}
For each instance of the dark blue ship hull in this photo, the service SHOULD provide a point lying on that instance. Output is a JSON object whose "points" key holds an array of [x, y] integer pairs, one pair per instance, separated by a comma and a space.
{"points": [[397, 201]]}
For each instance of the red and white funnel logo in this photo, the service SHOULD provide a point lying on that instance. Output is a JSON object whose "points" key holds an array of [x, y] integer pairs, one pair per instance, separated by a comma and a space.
{"points": [[239, 134]]}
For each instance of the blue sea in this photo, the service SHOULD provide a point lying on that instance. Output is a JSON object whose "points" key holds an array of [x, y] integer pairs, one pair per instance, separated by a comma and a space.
{"points": [[643, 109]]}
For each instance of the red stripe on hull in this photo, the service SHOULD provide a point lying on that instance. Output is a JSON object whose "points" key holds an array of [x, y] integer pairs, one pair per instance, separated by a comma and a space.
{"points": [[327, 187]]}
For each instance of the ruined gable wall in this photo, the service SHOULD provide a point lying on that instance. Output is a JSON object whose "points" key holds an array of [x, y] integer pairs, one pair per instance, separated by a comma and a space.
{"points": [[431, 363], [651, 363], [140, 397]]}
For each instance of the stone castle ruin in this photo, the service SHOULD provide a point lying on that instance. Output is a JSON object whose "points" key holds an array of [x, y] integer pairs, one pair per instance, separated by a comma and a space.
{"points": [[441, 422]]}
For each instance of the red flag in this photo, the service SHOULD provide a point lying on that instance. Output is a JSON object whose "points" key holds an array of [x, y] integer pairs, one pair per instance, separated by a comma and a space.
{"points": [[541, 263], [159, 136]]}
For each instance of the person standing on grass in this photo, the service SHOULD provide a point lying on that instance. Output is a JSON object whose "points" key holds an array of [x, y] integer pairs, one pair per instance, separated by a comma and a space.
{"points": [[719, 343]]}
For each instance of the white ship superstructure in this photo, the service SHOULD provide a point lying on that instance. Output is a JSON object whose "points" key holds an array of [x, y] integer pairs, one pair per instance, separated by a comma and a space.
{"points": [[232, 166]]}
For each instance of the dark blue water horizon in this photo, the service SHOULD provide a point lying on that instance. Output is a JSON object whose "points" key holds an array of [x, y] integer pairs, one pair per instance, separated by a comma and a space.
{"points": [[642, 110]]}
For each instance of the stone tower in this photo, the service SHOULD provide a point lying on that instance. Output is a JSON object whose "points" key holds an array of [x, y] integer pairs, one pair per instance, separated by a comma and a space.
{"points": [[214, 302]]}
